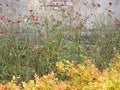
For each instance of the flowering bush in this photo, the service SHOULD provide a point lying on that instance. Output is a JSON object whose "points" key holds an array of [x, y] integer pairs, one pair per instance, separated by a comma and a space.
{"points": [[83, 76], [78, 57]]}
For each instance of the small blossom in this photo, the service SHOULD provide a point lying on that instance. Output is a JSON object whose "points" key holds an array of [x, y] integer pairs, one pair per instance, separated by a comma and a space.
{"points": [[109, 11], [61, 51], [31, 10], [24, 37], [51, 4], [82, 25], [42, 24], [36, 19], [65, 16], [19, 21], [98, 5], [112, 53], [93, 4], [63, 10], [57, 3], [77, 12], [33, 16], [17, 32], [36, 22], [7, 5], [8, 20], [80, 14], [2, 17], [13, 22], [110, 3], [62, 4], [47, 49], [41, 34], [74, 18], [33, 46]]}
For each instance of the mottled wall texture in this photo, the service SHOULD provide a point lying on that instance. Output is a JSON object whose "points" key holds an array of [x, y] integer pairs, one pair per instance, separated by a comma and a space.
{"points": [[85, 7]]}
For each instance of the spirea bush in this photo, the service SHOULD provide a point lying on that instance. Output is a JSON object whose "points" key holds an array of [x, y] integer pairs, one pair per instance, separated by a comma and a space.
{"points": [[85, 76]]}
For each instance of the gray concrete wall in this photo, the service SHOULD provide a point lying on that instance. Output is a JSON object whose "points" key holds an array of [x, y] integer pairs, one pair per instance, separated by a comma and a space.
{"points": [[19, 6], [100, 14]]}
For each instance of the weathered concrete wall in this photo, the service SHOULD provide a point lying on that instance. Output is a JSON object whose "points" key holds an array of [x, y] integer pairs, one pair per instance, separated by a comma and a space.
{"points": [[18, 6], [85, 7]]}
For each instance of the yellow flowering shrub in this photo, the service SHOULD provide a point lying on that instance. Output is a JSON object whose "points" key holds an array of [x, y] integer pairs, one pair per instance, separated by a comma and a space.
{"points": [[9, 86], [116, 62], [45, 83], [83, 76]]}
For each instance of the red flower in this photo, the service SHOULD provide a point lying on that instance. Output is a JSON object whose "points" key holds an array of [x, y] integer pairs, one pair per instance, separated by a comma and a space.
{"points": [[110, 3], [82, 25], [112, 53], [93, 4], [109, 11], [61, 51], [30, 10], [33, 46], [8, 20], [51, 4], [24, 37], [63, 10], [42, 24], [0, 23], [36, 19], [19, 21], [13, 22], [87, 48], [41, 34], [57, 3], [7, 5], [80, 14], [77, 12], [33, 16], [65, 17], [47, 49], [98, 5], [2, 17], [36, 22], [62, 4]]}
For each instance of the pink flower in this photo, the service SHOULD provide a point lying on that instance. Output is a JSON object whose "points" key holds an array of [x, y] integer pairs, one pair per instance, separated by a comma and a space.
{"points": [[2, 17], [51, 4], [0, 23]]}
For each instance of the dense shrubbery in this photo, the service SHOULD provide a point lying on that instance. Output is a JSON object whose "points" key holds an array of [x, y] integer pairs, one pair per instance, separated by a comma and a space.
{"points": [[73, 76], [69, 58]]}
